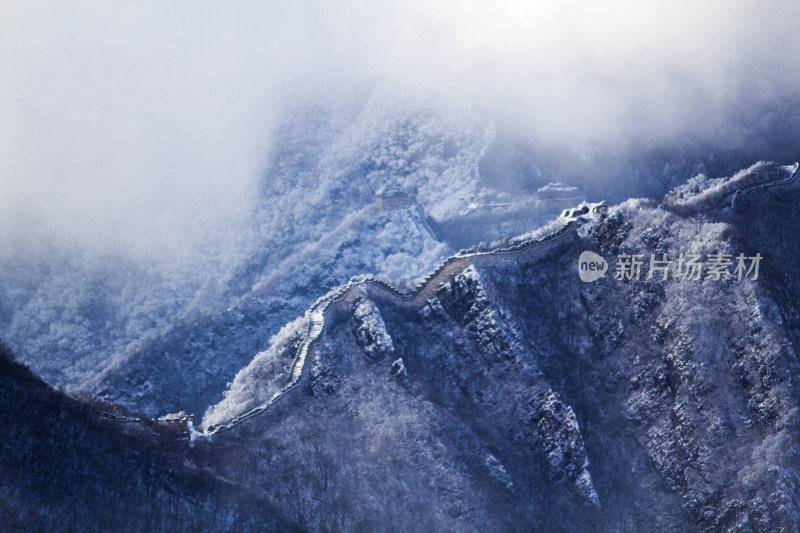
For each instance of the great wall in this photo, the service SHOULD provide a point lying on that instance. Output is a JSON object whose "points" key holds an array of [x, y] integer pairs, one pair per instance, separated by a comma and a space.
{"points": [[427, 288]]}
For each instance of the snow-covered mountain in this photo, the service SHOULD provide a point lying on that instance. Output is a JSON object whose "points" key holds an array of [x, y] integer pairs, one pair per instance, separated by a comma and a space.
{"points": [[508, 394], [505, 393], [168, 335], [349, 366], [399, 266]]}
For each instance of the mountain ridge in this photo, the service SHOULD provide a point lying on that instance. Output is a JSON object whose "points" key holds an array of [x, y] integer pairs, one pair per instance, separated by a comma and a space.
{"points": [[507, 394]]}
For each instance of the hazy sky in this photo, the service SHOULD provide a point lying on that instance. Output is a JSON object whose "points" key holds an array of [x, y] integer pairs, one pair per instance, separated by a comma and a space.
{"points": [[149, 122]]}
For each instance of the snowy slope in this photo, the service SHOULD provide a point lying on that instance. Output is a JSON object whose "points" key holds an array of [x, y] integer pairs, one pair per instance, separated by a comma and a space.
{"points": [[166, 337]]}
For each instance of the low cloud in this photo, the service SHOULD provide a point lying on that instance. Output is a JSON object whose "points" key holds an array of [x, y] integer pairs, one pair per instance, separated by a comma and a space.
{"points": [[145, 125]]}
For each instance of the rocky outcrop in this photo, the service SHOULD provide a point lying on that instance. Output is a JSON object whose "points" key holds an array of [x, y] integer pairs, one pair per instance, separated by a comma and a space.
{"points": [[560, 436], [370, 331]]}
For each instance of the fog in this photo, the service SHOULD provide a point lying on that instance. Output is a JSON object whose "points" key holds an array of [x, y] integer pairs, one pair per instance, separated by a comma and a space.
{"points": [[146, 126]]}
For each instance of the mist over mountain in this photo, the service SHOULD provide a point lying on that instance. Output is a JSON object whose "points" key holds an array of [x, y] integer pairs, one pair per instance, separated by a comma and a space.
{"points": [[504, 393], [293, 266], [125, 326]]}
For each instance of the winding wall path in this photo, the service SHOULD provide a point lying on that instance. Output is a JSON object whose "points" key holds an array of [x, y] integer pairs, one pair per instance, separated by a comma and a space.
{"points": [[418, 214], [727, 193], [426, 289]]}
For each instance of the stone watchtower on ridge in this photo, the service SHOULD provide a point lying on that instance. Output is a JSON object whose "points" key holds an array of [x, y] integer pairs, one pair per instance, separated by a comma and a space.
{"points": [[391, 197]]}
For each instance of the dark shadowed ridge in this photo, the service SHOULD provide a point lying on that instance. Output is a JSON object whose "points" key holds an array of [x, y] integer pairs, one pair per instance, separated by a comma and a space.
{"points": [[64, 468]]}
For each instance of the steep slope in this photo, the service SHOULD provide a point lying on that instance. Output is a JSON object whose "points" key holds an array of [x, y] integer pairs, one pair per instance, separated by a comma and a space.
{"points": [[64, 468], [510, 395]]}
